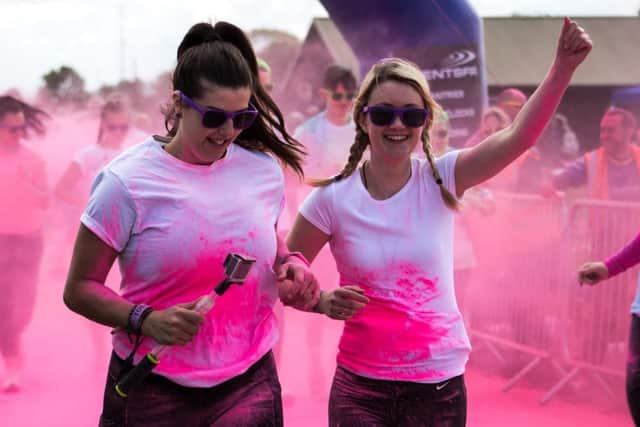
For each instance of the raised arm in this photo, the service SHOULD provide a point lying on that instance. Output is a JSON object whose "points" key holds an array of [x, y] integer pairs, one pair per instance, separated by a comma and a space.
{"points": [[485, 160]]}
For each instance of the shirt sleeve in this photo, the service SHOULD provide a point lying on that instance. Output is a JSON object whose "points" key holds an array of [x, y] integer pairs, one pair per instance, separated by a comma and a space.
{"points": [[447, 169], [110, 213], [317, 208], [626, 258]]}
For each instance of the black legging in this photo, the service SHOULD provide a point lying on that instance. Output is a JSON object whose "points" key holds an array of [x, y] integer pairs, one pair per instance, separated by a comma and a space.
{"points": [[633, 370]]}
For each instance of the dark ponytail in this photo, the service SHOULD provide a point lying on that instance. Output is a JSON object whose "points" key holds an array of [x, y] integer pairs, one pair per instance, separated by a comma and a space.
{"points": [[33, 116], [222, 55]]}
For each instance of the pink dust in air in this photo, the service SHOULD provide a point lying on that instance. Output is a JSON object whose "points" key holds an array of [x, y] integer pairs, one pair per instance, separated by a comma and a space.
{"points": [[509, 294]]}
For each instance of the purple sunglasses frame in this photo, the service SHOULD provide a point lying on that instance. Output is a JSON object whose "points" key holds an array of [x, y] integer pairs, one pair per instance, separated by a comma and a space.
{"points": [[397, 112], [228, 115]]}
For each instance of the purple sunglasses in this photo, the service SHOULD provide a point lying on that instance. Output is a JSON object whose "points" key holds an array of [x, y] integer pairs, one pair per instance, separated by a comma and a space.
{"points": [[214, 117], [384, 115]]}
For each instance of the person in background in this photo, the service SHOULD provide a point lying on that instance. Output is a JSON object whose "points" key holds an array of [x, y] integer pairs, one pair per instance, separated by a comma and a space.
{"points": [[493, 120], [24, 197], [511, 101], [264, 75], [593, 273], [327, 135], [115, 122], [612, 172]]}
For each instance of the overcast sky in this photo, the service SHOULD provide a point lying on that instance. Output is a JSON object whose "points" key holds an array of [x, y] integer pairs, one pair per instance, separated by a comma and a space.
{"points": [[39, 35]]}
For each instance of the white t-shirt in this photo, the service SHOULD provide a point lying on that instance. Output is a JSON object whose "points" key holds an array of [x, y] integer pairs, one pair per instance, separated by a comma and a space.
{"points": [[400, 251], [173, 224], [92, 158], [327, 145]]}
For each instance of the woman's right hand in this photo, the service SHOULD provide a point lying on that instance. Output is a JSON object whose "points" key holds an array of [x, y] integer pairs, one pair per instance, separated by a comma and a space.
{"points": [[592, 273], [176, 325], [342, 303], [574, 44]]}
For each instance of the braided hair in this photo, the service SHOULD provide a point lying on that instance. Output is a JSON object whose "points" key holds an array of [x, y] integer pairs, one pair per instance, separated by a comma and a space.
{"points": [[402, 71]]}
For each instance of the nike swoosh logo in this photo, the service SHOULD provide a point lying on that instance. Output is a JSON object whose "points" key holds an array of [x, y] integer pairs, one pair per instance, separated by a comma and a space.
{"points": [[442, 385]]}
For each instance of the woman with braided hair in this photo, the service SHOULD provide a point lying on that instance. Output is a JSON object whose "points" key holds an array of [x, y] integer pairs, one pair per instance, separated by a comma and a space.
{"points": [[389, 223], [170, 209]]}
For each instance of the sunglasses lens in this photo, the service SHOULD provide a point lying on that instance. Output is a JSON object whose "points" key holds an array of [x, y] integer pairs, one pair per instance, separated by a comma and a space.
{"points": [[117, 128], [381, 116], [213, 119], [339, 96], [414, 117], [244, 120]]}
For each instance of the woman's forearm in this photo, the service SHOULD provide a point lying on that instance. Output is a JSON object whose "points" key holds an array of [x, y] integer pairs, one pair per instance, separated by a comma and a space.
{"points": [[98, 302], [625, 259]]}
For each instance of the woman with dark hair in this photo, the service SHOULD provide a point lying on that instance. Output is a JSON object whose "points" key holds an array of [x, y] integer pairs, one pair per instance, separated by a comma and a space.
{"points": [[170, 209], [23, 199], [389, 222]]}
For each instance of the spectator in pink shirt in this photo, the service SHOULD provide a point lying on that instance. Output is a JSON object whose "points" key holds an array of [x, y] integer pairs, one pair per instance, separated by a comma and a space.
{"points": [[595, 272]]}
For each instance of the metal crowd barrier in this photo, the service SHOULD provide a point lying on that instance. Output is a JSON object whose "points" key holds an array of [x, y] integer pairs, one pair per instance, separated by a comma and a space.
{"points": [[524, 297], [597, 320]]}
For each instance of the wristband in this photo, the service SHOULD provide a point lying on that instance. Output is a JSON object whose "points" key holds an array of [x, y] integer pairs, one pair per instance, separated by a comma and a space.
{"points": [[316, 308], [296, 255], [137, 316]]}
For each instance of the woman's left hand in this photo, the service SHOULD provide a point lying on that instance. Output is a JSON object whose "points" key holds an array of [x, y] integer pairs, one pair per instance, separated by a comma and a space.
{"points": [[297, 286], [574, 45]]}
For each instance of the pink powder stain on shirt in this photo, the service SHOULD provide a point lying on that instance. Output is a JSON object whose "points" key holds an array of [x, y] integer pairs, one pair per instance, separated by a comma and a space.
{"points": [[239, 320], [416, 292], [384, 338], [398, 330]]}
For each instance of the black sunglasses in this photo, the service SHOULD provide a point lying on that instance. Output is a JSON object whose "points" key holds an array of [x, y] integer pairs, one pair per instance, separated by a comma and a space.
{"points": [[117, 128], [14, 129], [214, 117], [382, 115], [339, 96]]}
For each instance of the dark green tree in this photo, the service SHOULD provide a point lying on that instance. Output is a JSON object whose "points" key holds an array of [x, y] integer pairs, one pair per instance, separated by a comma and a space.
{"points": [[65, 86]]}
